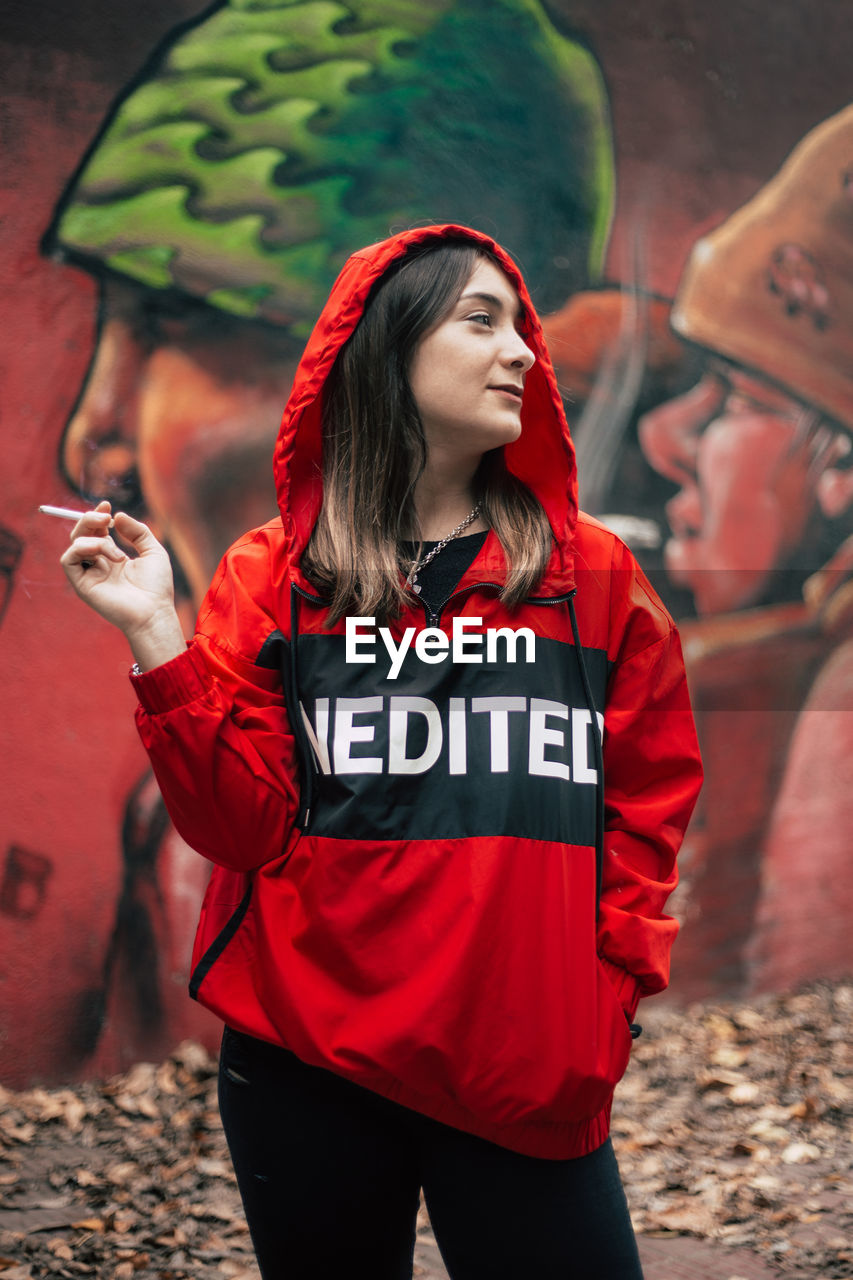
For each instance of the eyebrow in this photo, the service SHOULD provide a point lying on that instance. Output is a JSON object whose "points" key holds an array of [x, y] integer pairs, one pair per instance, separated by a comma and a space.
{"points": [[494, 301]]}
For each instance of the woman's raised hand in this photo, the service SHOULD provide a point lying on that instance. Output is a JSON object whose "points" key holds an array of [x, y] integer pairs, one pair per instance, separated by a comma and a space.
{"points": [[136, 593]]}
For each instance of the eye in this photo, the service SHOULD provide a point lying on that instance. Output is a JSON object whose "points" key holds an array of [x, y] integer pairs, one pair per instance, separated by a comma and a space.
{"points": [[483, 318]]}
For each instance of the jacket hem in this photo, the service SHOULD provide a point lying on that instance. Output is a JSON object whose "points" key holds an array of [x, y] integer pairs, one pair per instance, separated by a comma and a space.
{"points": [[553, 1141]]}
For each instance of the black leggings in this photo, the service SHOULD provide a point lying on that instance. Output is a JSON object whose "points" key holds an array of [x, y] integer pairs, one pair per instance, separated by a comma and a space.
{"points": [[330, 1176]]}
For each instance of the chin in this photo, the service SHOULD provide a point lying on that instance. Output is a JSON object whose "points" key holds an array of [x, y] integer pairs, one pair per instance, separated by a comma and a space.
{"points": [[505, 435]]}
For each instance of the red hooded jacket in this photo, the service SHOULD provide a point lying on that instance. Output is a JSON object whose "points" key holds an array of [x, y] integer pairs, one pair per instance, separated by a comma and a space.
{"points": [[405, 878]]}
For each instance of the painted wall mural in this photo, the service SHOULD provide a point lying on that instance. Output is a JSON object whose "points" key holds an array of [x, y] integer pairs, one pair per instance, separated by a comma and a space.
{"points": [[679, 190]]}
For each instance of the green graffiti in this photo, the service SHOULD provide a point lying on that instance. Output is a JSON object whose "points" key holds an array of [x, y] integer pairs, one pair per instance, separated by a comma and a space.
{"points": [[275, 137]]}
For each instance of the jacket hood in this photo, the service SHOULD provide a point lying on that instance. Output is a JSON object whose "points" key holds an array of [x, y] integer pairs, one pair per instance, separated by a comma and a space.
{"points": [[543, 457]]}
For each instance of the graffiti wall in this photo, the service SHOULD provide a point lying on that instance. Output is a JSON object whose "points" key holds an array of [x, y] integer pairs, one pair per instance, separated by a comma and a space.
{"points": [[181, 186]]}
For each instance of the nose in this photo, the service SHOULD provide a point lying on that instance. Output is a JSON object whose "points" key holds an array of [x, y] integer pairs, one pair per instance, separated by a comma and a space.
{"points": [[669, 434], [99, 446], [517, 354]]}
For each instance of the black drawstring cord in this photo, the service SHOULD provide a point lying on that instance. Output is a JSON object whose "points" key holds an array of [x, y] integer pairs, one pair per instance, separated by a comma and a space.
{"points": [[305, 753], [599, 759], [636, 1029]]}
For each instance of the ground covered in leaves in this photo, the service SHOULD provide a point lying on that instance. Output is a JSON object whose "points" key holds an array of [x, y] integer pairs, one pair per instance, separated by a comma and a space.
{"points": [[734, 1123]]}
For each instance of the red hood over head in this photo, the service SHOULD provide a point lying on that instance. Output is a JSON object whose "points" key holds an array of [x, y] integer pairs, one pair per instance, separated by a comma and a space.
{"points": [[543, 456]]}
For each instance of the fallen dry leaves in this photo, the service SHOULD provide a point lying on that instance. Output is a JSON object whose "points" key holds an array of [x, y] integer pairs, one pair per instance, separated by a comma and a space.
{"points": [[734, 1123], [127, 1179]]}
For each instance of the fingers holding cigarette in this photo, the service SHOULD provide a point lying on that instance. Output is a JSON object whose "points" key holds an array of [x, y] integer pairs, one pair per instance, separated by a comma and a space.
{"points": [[88, 524], [100, 523], [97, 520], [117, 566], [89, 537]]}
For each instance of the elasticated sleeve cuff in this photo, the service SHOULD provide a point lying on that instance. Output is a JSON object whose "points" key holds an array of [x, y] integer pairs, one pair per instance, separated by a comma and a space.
{"points": [[174, 683], [626, 985]]}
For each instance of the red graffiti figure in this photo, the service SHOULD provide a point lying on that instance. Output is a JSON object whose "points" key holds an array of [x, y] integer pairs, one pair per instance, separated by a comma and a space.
{"points": [[760, 534]]}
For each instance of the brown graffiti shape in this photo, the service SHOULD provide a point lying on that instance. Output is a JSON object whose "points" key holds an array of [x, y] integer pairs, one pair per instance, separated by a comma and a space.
{"points": [[797, 276], [11, 550], [24, 886]]}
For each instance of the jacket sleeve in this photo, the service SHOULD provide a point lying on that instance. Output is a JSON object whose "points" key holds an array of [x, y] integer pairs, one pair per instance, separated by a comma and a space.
{"points": [[653, 774], [216, 729]]}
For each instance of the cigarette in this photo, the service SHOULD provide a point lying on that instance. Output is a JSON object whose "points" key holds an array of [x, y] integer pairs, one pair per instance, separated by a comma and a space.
{"points": [[65, 513]]}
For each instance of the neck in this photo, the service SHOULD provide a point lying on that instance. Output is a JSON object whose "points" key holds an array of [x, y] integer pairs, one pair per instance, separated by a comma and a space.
{"points": [[442, 500]]}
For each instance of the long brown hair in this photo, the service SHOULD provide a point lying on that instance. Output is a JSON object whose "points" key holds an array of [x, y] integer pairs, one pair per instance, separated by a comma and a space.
{"points": [[374, 451]]}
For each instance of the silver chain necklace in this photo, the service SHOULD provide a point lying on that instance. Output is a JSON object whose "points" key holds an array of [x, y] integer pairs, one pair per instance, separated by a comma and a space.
{"points": [[422, 561]]}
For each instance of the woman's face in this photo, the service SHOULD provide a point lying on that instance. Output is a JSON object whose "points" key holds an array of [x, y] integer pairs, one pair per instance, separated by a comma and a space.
{"points": [[467, 374]]}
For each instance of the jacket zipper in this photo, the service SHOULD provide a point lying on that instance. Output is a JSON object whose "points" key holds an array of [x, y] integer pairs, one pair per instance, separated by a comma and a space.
{"points": [[305, 751], [433, 616]]}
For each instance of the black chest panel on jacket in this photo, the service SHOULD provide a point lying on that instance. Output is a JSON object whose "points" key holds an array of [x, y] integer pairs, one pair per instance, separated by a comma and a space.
{"points": [[449, 748]]}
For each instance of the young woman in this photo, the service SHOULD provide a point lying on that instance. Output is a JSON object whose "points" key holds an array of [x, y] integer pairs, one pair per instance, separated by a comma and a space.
{"points": [[428, 925]]}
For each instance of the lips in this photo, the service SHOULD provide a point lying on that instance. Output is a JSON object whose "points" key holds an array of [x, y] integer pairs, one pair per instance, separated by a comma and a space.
{"points": [[510, 389]]}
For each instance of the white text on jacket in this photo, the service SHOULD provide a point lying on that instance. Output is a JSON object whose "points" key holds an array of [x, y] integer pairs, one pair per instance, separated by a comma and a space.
{"points": [[557, 741]]}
